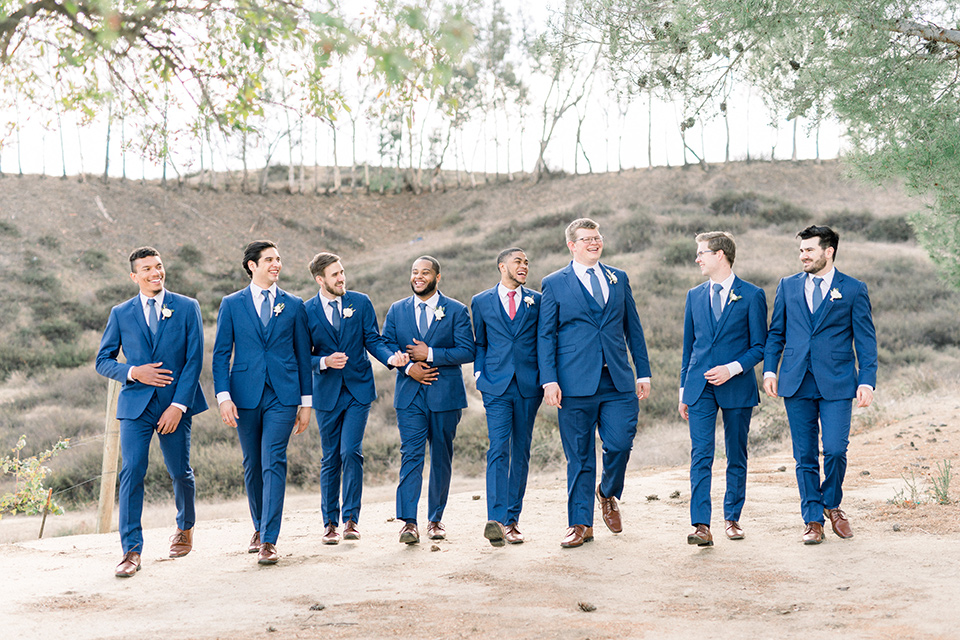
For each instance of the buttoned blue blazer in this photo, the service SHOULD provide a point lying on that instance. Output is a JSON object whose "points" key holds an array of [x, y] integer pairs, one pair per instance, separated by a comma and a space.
{"points": [[358, 334], [576, 337], [282, 349], [828, 340], [506, 348], [738, 336], [178, 345], [451, 339]]}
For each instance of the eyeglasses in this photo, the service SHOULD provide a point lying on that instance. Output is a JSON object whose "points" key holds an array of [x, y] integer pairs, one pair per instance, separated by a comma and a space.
{"points": [[700, 254], [593, 240]]}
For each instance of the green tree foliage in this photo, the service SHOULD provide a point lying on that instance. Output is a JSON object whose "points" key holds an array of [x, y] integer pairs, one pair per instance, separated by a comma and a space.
{"points": [[885, 68]]}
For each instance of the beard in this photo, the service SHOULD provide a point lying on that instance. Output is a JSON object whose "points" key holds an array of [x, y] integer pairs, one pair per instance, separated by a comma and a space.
{"points": [[427, 290], [817, 265]]}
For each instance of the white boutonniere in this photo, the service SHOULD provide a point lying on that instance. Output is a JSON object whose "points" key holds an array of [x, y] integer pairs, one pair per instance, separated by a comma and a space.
{"points": [[528, 300], [835, 294], [438, 313], [348, 312], [165, 312], [611, 276], [734, 297], [277, 309]]}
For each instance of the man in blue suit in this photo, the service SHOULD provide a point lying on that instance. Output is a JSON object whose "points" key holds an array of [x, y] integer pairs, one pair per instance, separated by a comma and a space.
{"points": [[724, 331], [343, 328], [821, 319], [161, 334], [505, 367], [588, 320], [435, 332], [265, 394]]}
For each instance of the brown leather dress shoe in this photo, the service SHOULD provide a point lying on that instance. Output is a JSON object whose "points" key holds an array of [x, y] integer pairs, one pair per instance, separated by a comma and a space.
{"points": [[700, 536], [838, 519], [330, 535], [813, 534], [512, 534], [611, 512], [493, 531], [576, 536], [254, 546], [733, 529], [129, 566], [350, 531], [409, 533], [436, 531], [181, 543], [268, 554]]}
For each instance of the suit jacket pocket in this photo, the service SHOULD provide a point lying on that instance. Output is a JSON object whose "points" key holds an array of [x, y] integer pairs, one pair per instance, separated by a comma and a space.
{"points": [[569, 348], [238, 367], [842, 356]]}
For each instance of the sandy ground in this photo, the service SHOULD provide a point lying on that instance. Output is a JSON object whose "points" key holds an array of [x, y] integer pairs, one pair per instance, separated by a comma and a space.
{"points": [[897, 578]]}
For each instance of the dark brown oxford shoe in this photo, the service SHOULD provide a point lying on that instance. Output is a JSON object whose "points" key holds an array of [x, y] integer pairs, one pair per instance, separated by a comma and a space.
{"points": [[838, 519], [350, 531], [268, 554], [409, 533], [733, 529], [611, 512], [813, 534], [576, 536], [493, 531], [700, 536], [330, 535], [129, 566], [254, 546], [436, 531], [512, 534], [181, 543]]}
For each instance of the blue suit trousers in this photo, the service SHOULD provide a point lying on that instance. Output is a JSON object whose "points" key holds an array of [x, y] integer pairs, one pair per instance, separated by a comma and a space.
{"points": [[135, 438], [703, 428], [510, 419], [264, 433], [341, 438], [419, 427], [614, 414], [807, 411]]}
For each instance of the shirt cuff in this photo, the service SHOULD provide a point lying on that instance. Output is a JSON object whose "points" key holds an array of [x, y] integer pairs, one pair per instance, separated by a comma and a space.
{"points": [[769, 374], [306, 401], [639, 380], [735, 368], [130, 375], [681, 394], [323, 363], [407, 368], [430, 355], [179, 406], [222, 397], [867, 386], [476, 375]]}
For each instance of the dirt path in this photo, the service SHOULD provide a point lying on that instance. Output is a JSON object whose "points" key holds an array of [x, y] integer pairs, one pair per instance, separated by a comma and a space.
{"points": [[897, 578]]}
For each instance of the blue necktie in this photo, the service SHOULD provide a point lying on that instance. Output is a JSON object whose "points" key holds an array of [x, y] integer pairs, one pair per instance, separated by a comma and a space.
{"points": [[817, 294], [336, 316], [595, 285], [152, 316], [717, 308], [265, 308], [423, 319]]}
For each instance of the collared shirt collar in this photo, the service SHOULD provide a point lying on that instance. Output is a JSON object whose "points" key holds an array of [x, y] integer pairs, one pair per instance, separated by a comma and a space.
{"points": [[258, 293], [502, 291], [159, 298], [581, 269], [726, 284], [827, 279], [432, 302]]}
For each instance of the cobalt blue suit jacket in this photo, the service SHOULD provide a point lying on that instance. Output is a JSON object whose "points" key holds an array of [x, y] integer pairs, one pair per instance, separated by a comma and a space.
{"points": [[178, 345], [576, 338], [282, 350], [506, 348], [451, 339], [359, 333], [738, 336], [827, 340]]}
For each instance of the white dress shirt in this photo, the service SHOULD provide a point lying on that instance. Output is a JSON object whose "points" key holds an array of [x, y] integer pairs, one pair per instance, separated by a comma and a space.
{"points": [[808, 286], [581, 271]]}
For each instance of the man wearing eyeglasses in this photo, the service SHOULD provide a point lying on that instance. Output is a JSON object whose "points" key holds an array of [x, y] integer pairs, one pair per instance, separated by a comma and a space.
{"points": [[588, 320], [724, 331]]}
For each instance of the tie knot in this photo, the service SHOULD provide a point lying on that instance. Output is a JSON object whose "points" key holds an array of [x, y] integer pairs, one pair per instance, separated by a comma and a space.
{"points": [[817, 280], [152, 302], [423, 307], [335, 304], [511, 294], [717, 287], [591, 271]]}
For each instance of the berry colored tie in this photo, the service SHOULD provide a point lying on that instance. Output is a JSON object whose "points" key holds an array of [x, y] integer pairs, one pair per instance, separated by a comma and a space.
{"points": [[512, 304]]}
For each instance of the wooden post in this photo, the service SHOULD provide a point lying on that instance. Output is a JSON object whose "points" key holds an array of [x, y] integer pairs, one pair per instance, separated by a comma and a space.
{"points": [[111, 453], [46, 510]]}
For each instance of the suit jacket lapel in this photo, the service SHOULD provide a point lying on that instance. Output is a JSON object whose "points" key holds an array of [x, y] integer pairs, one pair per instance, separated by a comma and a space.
{"points": [[797, 297], [274, 317], [431, 330], [578, 292], [827, 305], [246, 301], [520, 318], [141, 321], [615, 292], [161, 321], [321, 315], [726, 308]]}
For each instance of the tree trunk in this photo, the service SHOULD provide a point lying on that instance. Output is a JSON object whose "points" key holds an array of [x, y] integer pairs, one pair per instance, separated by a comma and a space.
{"points": [[106, 154], [246, 171], [793, 154]]}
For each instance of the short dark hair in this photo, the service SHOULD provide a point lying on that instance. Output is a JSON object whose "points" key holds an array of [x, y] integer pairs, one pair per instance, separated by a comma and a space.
{"points": [[720, 241], [142, 252], [502, 257], [321, 261], [828, 237], [253, 251], [433, 261]]}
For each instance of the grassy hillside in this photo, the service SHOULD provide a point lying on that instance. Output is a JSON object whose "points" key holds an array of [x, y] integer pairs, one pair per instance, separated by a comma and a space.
{"points": [[64, 265]]}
